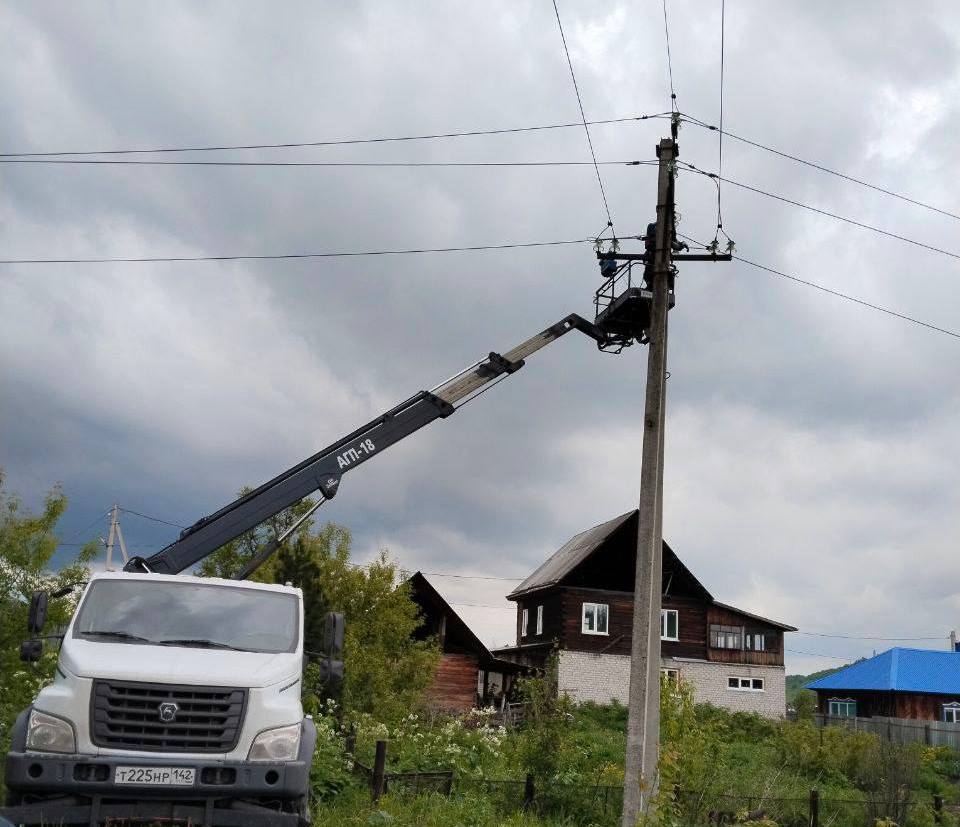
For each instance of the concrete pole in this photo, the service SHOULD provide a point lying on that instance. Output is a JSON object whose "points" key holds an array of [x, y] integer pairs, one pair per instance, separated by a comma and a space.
{"points": [[643, 720], [111, 536]]}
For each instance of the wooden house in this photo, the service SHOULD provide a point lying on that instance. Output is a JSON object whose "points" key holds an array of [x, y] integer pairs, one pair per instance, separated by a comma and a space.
{"points": [[468, 675], [900, 683], [579, 603]]}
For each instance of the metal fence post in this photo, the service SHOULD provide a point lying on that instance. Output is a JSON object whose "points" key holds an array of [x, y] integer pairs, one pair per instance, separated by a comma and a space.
{"points": [[814, 808], [927, 735], [379, 771], [350, 743], [938, 808], [528, 792]]}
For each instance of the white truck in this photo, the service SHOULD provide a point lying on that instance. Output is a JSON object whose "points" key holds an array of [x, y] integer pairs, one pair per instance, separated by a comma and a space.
{"points": [[174, 697]]}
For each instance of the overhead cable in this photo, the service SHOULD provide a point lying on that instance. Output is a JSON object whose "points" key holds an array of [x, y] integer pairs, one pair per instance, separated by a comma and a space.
{"points": [[157, 163], [284, 256], [846, 296], [820, 167], [855, 637], [583, 117], [782, 198], [666, 31], [340, 141], [152, 519]]}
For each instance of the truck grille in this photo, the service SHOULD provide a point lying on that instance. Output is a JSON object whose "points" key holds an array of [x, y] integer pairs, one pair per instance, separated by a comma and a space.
{"points": [[137, 716]]}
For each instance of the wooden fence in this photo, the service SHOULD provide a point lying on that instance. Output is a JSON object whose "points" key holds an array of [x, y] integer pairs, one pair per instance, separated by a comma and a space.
{"points": [[900, 730]]}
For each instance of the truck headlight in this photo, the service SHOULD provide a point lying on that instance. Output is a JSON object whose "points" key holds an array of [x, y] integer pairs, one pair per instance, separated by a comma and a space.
{"points": [[48, 733], [280, 744]]}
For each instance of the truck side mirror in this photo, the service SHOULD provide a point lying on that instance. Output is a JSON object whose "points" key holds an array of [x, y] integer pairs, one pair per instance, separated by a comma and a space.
{"points": [[331, 675], [31, 650], [37, 617], [333, 633]]}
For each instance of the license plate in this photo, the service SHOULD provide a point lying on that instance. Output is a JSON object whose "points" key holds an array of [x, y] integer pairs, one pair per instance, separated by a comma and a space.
{"points": [[159, 776]]}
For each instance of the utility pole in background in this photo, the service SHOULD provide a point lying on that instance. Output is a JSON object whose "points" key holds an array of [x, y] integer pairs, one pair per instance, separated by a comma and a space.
{"points": [[116, 533], [643, 721]]}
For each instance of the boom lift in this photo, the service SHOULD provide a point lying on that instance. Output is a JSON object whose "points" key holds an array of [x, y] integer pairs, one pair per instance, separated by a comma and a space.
{"points": [[177, 697]]}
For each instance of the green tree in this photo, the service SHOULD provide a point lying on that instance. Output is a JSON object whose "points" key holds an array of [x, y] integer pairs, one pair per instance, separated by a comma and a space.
{"points": [[27, 546]]}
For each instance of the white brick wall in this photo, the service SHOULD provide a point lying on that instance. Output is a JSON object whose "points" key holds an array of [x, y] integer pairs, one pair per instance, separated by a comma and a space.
{"points": [[585, 676]]}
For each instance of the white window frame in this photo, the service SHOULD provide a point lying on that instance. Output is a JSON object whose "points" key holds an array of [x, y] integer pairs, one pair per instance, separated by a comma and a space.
{"points": [[539, 620], [745, 684], [670, 674], [834, 704], [524, 620], [951, 713], [664, 624], [751, 637], [596, 617]]}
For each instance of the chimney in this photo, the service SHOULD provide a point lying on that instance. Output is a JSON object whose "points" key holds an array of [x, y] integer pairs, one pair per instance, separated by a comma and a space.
{"points": [[953, 641]]}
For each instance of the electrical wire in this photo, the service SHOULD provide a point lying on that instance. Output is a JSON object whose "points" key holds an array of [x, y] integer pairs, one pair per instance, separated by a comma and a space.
{"points": [[65, 540], [855, 637], [955, 334], [820, 167], [815, 654], [153, 519], [583, 117], [284, 256], [691, 168], [341, 141], [666, 31], [157, 163], [723, 15]]}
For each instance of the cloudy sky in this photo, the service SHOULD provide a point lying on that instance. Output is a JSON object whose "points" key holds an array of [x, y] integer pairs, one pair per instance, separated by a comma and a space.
{"points": [[812, 458]]}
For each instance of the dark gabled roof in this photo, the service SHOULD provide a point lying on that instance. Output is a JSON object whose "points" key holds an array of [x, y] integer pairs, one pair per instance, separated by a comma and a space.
{"points": [[584, 545], [899, 670], [428, 598], [579, 549], [786, 627], [570, 555]]}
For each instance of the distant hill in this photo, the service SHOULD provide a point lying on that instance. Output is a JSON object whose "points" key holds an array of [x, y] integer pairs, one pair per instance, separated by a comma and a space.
{"points": [[796, 682]]}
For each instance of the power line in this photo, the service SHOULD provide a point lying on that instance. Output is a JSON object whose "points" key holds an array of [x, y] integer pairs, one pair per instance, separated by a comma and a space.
{"points": [[157, 163], [484, 606], [153, 519], [855, 637], [820, 167], [66, 540], [283, 256], [815, 654], [472, 576], [340, 141], [666, 31], [820, 211], [850, 298], [723, 15], [838, 294], [583, 117]]}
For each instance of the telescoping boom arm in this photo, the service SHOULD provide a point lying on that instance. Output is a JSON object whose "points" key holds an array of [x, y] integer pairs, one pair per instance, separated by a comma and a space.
{"points": [[322, 472]]}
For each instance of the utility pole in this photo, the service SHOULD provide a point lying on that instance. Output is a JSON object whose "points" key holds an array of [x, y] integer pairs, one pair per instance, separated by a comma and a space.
{"points": [[116, 533], [643, 721]]}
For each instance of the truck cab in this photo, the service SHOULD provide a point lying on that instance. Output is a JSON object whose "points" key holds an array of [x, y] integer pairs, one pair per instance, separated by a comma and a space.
{"points": [[174, 697]]}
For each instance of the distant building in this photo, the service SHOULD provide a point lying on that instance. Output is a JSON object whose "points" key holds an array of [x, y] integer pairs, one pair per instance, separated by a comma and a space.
{"points": [[468, 675], [899, 683], [580, 603]]}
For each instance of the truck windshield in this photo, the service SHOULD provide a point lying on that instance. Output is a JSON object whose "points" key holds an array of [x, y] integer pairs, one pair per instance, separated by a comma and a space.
{"points": [[211, 616]]}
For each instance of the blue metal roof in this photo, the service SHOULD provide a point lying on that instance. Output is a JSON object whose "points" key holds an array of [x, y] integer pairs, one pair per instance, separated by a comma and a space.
{"points": [[901, 670]]}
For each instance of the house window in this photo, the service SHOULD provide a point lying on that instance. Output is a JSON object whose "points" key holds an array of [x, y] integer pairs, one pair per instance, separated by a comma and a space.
{"points": [[756, 641], [595, 618], [845, 708], [672, 675], [951, 713], [669, 624], [539, 620], [726, 637], [524, 618], [745, 684]]}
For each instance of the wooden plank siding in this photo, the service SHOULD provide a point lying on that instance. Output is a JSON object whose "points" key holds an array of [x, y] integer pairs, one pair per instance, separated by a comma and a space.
{"points": [[454, 686], [563, 613], [920, 706]]}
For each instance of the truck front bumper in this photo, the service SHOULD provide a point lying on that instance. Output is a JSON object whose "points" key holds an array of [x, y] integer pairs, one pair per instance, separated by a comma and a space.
{"points": [[44, 774]]}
